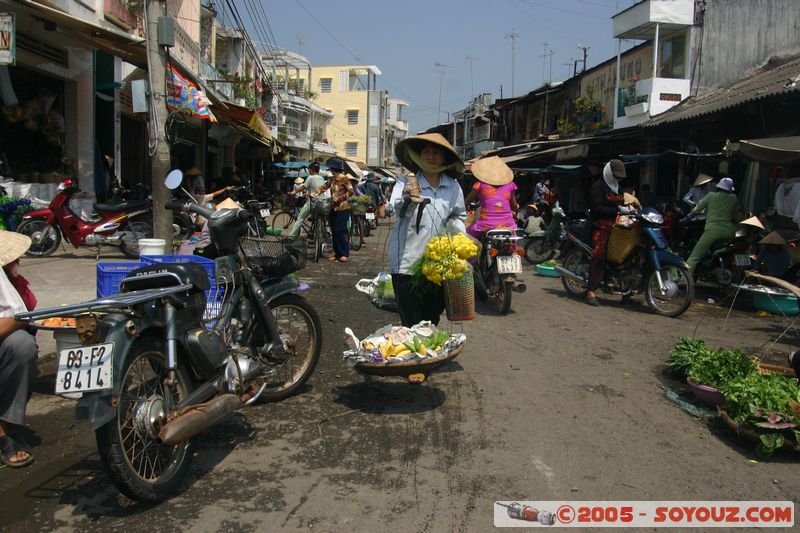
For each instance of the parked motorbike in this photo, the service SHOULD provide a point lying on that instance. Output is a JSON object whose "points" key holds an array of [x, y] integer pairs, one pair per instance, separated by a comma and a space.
{"points": [[553, 241], [497, 268], [119, 224], [727, 260], [155, 370], [182, 223], [638, 259]]}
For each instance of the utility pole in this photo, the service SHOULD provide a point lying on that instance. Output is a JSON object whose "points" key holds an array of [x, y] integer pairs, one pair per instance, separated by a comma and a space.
{"points": [[585, 56], [159, 153], [471, 87], [440, 69], [513, 36], [544, 63]]}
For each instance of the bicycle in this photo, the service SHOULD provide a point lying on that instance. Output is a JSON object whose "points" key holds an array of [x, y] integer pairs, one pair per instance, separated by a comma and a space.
{"points": [[355, 231], [320, 208]]}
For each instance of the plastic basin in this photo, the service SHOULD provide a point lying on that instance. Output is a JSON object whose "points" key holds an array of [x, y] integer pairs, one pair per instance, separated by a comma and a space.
{"points": [[776, 303], [706, 394], [547, 271]]}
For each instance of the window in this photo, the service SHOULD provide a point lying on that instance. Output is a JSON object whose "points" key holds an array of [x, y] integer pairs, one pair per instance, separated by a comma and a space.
{"points": [[352, 116], [343, 76], [301, 83], [325, 84], [673, 57], [351, 149]]}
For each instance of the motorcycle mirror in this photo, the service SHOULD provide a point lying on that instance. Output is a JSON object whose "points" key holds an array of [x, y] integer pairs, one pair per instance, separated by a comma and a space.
{"points": [[174, 179]]}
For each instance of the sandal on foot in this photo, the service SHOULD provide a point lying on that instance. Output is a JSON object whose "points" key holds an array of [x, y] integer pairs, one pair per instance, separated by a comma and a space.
{"points": [[344, 259], [9, 448]]}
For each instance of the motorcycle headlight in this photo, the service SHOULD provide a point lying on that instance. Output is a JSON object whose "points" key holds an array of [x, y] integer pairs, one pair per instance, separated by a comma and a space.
{"points": [[652, 216], [62, 186]]}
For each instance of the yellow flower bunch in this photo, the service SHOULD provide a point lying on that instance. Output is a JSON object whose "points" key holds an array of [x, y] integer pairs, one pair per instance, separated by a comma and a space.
{"points": [[445, 257]]}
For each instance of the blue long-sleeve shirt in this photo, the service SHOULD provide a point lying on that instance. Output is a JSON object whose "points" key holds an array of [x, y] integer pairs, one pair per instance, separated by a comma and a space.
{"points": [[447, 205]]}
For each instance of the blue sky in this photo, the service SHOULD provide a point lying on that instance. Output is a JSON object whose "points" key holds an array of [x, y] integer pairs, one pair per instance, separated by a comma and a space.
{"points": [[406, 38]]}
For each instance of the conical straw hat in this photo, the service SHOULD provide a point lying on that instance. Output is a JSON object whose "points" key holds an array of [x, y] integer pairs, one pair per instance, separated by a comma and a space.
{"points": [[773, 238], [492, 170], [415, 144], [12, 246]]}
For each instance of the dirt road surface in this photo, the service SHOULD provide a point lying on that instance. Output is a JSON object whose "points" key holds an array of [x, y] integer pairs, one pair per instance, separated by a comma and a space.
{"points": [[556, 401]]}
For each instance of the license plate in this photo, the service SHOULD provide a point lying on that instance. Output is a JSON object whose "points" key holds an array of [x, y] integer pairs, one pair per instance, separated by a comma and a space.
{"points": [[742, 260], [370, 216], [84, 368], [264, 213], [511, 264]]}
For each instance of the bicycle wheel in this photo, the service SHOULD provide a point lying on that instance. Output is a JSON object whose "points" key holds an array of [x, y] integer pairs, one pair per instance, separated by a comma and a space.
{"points": [[282, 220], [355, 237]]}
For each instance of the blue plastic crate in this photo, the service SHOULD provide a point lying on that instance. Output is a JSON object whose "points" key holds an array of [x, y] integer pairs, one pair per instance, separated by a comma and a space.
{"points": [[207, 264], [110, 275]]}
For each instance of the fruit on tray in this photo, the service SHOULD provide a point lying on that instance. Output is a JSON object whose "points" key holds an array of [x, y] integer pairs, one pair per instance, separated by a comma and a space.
{"points": [[59, 322]]}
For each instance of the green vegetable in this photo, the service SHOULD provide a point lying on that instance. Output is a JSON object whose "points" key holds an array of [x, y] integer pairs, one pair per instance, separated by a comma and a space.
{"points": [[714, 368], [550, 263], [683, 355], [746, 395]]}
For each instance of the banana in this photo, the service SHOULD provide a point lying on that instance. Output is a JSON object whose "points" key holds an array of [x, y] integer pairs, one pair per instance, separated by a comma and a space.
{"points": [[404, 351]]}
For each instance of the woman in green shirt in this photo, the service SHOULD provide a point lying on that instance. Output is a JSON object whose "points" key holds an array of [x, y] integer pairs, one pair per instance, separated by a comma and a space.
{"points": [[723, 210]]}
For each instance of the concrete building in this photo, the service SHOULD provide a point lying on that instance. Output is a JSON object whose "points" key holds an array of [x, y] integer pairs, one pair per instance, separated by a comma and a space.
{"points": [[357, 129], [296, 120], [396, 130]]}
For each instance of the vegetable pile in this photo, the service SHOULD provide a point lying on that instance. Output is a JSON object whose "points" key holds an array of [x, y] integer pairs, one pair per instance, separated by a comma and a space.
{"points": [[395, 344], [768, 404]]}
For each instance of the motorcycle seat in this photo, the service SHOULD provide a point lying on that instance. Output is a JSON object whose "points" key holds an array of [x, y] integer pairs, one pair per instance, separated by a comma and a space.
{"points": [[166, 275], [130, 205]]}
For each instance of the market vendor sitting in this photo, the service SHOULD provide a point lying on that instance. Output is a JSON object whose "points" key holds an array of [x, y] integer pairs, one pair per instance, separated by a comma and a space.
{"points": [[773, 258]]}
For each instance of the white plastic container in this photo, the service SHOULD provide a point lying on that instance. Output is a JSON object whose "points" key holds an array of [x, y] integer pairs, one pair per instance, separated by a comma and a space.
{"points": [[152, 246]]}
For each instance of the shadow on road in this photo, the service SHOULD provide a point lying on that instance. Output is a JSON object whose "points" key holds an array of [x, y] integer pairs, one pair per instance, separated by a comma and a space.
{"points": [[80, 483], [389, 397]]}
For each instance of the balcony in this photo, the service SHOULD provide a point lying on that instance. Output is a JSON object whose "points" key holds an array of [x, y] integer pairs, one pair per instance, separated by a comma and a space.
{"points": [[648, 98], [643, 20], [127, 14]]}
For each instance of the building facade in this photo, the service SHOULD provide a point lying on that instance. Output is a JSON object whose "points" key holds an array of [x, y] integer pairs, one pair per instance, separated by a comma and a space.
{"points": [[358, 126]]}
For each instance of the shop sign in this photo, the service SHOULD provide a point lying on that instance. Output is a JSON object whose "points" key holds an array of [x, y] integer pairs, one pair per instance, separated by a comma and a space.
{"points": [[183, 95], [669, 97], [8, 37]]}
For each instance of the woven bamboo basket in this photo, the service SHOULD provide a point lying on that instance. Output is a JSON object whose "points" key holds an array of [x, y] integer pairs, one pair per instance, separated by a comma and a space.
{"points": [[621, 243], [459, 297]]}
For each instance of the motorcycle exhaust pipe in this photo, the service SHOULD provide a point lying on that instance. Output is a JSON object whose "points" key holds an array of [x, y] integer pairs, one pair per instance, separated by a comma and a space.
{"points": [[198, 419], [564, 272], [520, 288]]}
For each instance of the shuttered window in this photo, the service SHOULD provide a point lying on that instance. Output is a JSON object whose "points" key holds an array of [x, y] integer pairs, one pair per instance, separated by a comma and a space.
{"points": [[352, 116], [325, 85], [351, 149]]}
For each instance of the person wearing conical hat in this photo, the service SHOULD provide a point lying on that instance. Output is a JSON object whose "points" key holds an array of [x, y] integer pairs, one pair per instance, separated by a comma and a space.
{"points": [[722, 214], [428, 204], [773, 258], [18, 350], [494, 187]]}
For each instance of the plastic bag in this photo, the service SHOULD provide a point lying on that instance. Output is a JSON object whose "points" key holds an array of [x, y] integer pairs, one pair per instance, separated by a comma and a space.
{"points": [[380, 291]]}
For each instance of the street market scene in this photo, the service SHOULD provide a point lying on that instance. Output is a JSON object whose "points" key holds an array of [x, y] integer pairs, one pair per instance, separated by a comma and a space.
{"points": [[254, 281]]}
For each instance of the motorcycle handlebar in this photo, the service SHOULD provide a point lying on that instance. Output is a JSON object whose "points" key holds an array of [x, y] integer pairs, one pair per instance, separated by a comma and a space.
{"points": [[192, 207]]}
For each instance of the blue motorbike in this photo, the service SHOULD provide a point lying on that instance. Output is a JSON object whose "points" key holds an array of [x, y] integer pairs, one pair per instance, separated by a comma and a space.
{"points": [[638, 259]]}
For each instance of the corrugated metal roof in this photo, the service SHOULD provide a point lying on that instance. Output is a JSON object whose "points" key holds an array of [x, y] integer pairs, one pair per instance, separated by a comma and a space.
{"points": [[779, 76]]}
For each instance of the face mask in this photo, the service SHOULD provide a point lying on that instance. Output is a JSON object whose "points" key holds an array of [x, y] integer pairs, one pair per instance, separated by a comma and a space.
{"points": [[12, 269]]}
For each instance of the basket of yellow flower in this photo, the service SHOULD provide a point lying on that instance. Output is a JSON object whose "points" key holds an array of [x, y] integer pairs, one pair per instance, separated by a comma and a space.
{"points": [[445, 263]]}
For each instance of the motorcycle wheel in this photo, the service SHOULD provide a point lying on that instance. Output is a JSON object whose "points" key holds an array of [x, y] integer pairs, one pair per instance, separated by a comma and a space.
{"points": [[45, 237], [140, 467], [185, 227], [679, 285], [301, 333], [576, 261], [130, 242], [501, 292], [538, 250]]}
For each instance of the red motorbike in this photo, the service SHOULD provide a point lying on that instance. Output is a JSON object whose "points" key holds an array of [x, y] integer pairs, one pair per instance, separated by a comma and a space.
{"points": [[116, 224]]}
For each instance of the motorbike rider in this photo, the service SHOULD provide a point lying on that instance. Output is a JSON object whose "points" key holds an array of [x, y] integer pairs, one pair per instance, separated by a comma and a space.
{"points": [[494, 188], [723, 210], [606, 201], [687, 233]]}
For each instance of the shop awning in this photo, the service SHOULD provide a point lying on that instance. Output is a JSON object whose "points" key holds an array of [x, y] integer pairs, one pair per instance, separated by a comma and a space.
{"points": [[535, 154], [775, 150], [94, 33], [777, 77], [247, 121]]}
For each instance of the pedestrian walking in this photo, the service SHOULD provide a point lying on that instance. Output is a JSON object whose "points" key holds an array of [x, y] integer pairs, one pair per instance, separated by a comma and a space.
{"points": [[341, 190]]}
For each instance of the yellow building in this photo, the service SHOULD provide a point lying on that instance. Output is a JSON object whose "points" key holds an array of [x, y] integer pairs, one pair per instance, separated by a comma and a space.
{"points": [[357, 129]]}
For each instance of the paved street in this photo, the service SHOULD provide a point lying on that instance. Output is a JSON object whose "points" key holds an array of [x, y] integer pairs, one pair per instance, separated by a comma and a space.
{"points": [[556, 401]]}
